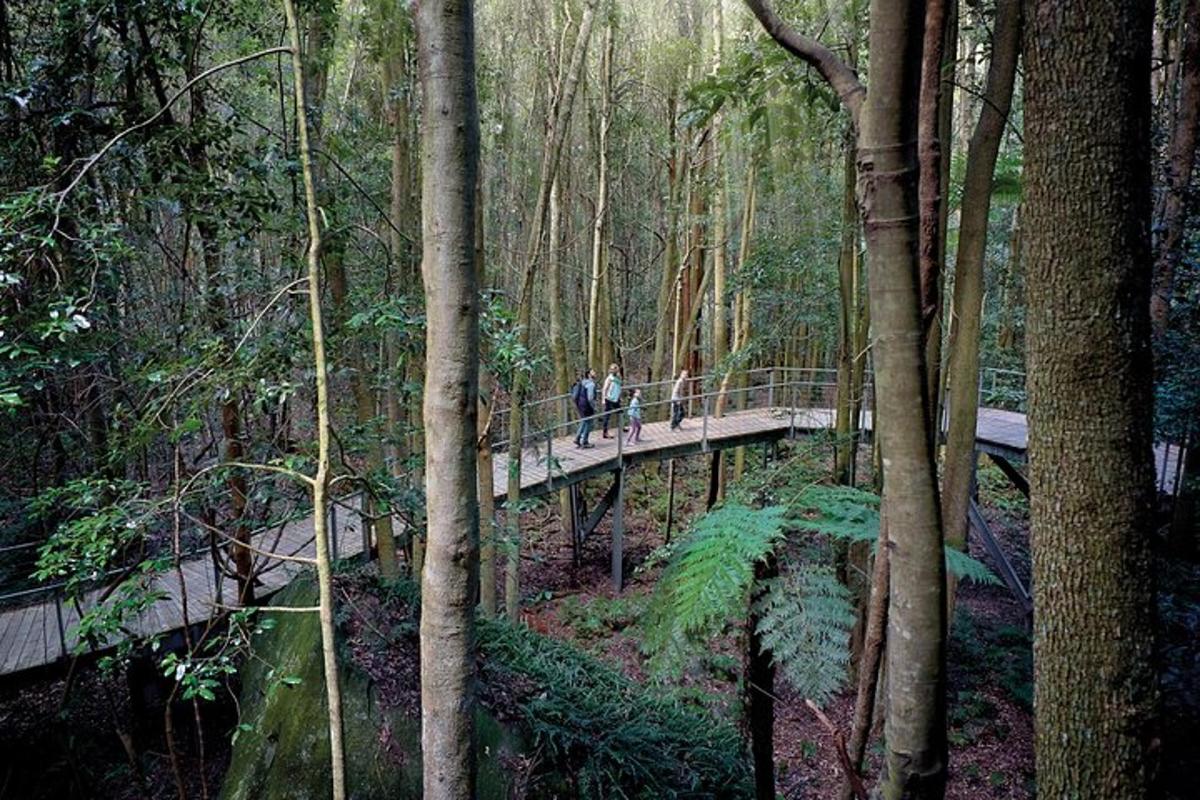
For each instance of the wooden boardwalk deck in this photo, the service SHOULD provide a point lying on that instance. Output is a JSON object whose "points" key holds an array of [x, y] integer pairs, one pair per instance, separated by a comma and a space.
{"points": [[31, 636], [35, 635]]}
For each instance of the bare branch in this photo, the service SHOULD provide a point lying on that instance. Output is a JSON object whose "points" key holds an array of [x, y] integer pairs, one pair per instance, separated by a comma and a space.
{"points": [[111, 143], [836, 72]]}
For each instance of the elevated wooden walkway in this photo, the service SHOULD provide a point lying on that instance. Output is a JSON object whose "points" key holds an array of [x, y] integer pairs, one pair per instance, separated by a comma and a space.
{"points": [[42, 633]]}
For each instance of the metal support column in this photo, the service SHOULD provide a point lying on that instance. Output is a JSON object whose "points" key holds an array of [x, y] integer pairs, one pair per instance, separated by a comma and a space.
{"points": [[618, 532]]}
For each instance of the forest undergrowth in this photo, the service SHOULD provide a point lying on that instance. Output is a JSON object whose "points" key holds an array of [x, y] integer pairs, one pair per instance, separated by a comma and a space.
{"points": [[73, 748]]}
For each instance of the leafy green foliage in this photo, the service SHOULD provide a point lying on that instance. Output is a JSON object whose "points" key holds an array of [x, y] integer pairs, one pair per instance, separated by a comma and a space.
{"points": [[618, 739], [846, 513], [804, 619], [839, 511], [708, 579], [601, 615]]}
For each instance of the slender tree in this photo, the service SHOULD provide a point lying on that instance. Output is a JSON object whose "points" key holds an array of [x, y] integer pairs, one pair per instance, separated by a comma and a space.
{"points": [[319, 481], [559, 123], [965, 325], [886, 116], [1087, 233], [1181, 156]]}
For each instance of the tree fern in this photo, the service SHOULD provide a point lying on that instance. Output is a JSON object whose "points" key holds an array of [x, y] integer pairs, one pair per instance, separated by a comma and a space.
{"points": [[839, 511], [852, 514], [708, 580], [804, 619]]}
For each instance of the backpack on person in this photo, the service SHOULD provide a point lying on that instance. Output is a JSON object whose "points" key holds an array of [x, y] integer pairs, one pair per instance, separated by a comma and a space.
{"points": [[579, 398]]}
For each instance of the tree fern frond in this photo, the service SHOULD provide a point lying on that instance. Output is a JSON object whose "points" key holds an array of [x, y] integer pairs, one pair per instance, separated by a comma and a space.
{"points": [[707, 581], [804, 619], [839, 511], [963, 567]]}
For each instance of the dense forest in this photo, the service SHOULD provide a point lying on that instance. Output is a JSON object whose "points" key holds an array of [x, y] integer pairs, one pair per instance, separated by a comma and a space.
{"points": [[599, 399]]}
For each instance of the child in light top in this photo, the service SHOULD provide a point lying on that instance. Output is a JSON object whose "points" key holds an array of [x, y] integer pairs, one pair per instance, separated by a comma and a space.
{"points": [[635, 418]]}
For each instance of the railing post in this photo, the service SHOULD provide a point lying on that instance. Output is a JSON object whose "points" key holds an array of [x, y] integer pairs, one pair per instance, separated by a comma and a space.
{"points": [[704, 426], [368, 524], [792, 411], [549, 459], [771, 388], [620, 448], [618, 531], [62, 632], [333, 539]]}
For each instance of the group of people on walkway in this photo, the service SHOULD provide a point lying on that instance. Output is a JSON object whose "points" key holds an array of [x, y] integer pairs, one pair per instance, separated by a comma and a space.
{"points": [[584, 395]]}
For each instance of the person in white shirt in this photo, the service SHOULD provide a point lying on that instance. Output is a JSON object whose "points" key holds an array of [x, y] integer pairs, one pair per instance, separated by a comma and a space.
{"points": [[677, 399], [611, 392]]}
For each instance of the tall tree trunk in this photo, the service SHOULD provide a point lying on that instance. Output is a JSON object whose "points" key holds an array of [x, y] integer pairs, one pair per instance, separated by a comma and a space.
{"points": [[874, 634], [558, 344], [760, 696], [929, 156], [599, 334], [558, 341], [935, 379], [887, 167], [320, 480], [560, 121], [965, 325], [1087, 221], [220, 317], [847, 323], [664, 307], [450, 172], [1181, 155], [744, 302], [485, 478], [1006, 336]]}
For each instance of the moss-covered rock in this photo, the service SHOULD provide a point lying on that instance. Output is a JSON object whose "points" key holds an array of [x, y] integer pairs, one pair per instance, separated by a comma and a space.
{"points": [[281, 750], [554, 721]]}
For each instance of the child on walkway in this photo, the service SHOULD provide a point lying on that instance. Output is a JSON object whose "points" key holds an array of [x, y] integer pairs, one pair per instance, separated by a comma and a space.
{"points": [[635, 418]]}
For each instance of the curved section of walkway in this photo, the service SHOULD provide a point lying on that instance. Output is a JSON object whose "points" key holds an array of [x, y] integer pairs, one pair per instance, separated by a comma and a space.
{"points": [[36, 635]]}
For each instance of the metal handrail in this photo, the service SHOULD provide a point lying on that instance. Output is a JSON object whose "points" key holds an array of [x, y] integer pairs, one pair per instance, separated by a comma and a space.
{"points": [[794, 386]]}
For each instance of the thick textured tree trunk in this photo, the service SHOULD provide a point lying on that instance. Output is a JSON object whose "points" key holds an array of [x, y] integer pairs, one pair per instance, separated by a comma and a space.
{"points": [[1181, 155], [1087, 222], [887, 169], [449, 169], [968, 275]]}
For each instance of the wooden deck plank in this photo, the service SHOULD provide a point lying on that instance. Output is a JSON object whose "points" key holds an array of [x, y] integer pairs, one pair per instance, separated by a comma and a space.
{"points": [[16, 658]]}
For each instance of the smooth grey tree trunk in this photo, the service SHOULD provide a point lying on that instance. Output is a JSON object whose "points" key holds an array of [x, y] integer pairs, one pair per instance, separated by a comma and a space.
{"points": [[449, 171]]}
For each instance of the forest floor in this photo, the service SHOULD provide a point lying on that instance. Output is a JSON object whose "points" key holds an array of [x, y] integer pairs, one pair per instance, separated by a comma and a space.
{"points": [[990, 661], [51, 750]]}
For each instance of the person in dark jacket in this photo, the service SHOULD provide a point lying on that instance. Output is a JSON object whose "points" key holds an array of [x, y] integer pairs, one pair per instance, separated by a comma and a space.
{"points": [[584, 395]]}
